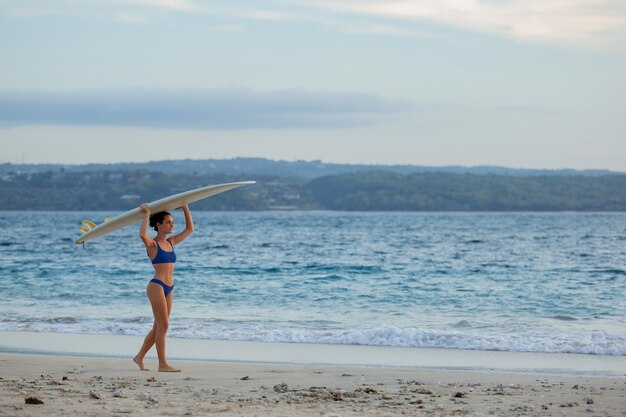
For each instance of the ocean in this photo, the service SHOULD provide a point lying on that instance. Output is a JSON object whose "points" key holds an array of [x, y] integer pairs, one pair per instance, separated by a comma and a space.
{"points": [[522, 282]]}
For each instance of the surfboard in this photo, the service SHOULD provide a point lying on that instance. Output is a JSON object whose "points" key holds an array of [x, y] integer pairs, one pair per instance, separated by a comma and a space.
{"points": [[91, 230]]}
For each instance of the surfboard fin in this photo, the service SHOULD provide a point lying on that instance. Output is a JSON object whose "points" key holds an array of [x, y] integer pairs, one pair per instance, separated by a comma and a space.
{"points": [[108, 219], [84, 229], [89, 224]]}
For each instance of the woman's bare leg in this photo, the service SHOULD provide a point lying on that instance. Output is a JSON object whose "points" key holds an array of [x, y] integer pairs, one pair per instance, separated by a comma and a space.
{"points": [[161, 309], [169, 301], [148, 342], [160, 304]]}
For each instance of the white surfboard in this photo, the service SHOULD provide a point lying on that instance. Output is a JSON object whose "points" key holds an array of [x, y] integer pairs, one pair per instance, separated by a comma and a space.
{"points": [[92, 231]]}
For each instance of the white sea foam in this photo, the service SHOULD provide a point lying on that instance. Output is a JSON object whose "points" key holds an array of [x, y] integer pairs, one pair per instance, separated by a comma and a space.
{"points": [[594, 342]]}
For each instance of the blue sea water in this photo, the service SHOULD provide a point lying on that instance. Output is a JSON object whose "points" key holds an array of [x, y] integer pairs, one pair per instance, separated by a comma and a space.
{"points": [[535, 282]]}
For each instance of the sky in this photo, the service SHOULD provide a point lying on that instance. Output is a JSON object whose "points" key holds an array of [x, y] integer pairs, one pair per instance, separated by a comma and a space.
{"points": [[515, 83]]}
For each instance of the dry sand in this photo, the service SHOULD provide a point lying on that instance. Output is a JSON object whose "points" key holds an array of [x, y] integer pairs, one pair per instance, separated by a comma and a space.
{"points": [[70, 386]]}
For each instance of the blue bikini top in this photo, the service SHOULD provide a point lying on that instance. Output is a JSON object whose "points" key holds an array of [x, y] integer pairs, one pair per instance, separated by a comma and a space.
{"points": [[164, 257]]}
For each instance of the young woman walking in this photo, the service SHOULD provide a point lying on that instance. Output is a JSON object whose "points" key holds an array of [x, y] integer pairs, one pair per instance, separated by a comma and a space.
{"points": [[160, 289]]}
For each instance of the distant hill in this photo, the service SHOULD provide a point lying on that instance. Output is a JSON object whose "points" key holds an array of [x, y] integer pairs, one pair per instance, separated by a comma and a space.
{"points": [[285, 169], [388, 191], [382, 190]]}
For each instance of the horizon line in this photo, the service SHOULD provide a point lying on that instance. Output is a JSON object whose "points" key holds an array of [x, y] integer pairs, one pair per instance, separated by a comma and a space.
{"points": [[372, 164]]}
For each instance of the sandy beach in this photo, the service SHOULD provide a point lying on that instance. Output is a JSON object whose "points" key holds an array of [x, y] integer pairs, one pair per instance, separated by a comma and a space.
{"points": [[83, 386]]}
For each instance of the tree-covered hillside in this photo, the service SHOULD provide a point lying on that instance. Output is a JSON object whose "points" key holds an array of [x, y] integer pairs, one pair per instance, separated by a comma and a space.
{"points": [[379, 190], [366, 191]]}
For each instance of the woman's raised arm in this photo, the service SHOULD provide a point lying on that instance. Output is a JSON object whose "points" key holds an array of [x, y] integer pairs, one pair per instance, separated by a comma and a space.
{"points": [[189, 228], [143, 230]]}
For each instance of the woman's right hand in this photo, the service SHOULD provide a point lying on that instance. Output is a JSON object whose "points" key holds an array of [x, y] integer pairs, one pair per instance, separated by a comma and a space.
{"points": [[144, 209]]}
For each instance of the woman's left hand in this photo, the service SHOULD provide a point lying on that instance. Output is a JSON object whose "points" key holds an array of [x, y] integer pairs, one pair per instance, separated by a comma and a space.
{"points": [[144, 209]]}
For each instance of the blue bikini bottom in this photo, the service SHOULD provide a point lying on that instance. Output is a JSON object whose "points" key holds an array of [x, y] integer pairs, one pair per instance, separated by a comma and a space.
{"points": [[166, 288]]}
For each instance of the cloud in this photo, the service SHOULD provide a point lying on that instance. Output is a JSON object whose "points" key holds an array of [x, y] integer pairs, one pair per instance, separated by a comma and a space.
{"points": [[206, 109], [377, 29], [595, 24], [584, 23], [182, 5], [129, 11]]}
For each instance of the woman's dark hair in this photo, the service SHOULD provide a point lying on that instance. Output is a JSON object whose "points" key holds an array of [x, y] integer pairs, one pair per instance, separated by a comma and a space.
{"points": [[158, 218]]}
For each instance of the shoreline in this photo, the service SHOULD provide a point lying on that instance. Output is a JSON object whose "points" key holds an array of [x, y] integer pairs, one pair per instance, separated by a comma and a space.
{"points": [[97, 386], [93, 375], [298, 354]]}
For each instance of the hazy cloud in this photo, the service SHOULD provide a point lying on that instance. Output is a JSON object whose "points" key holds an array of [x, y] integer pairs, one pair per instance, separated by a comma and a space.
{"points": [[182, 5], [586, 23], [186, 109], [582, 23]]}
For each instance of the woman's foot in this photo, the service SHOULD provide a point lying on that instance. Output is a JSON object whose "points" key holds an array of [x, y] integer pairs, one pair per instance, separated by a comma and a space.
{"points": [[168, 368], [139, 363]]}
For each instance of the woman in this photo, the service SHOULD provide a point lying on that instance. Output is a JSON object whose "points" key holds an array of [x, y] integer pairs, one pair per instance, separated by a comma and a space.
{"points": [[161, 252]]}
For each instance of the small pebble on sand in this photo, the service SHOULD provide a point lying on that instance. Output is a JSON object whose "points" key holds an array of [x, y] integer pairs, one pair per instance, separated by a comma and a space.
{"points": [[33, 400]]}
